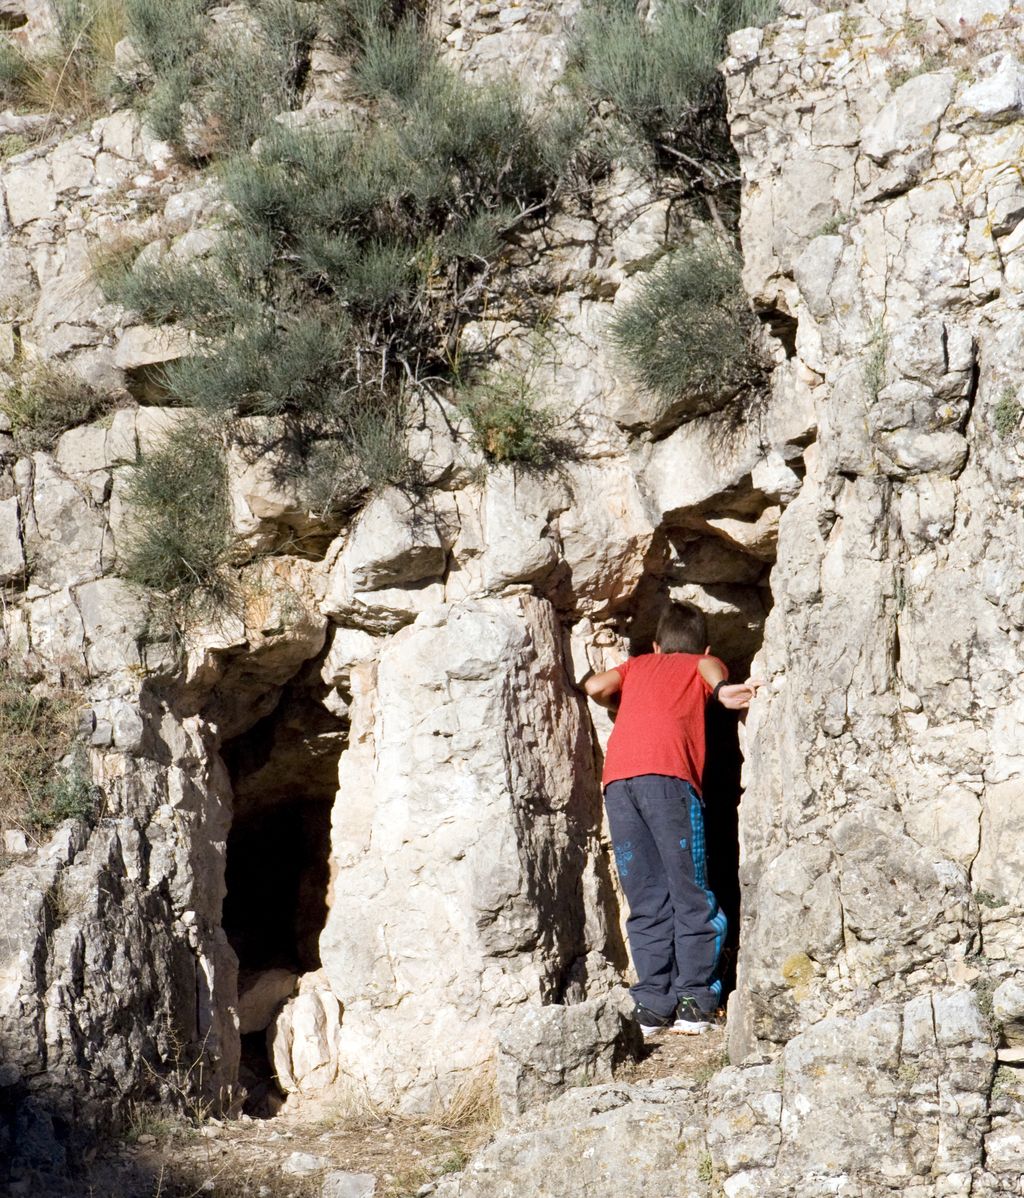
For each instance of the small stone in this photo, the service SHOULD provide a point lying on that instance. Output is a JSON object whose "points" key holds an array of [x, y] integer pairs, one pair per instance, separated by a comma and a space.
{"points": [[209, 1133], [302, 1164], [146, 1139], [338, 1184], [15, 842]]}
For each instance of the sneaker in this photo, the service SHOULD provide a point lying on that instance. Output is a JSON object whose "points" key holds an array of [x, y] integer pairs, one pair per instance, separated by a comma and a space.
{"points": [[690, 1019], [650, 1021]]}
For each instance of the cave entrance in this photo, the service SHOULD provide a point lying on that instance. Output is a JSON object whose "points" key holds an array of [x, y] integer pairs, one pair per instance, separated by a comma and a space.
{"points": [[729, 581], [284, 778]]}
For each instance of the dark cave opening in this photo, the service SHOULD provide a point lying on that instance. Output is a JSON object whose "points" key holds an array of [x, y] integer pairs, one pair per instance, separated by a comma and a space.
{"points": [[284, 778], [722, 794], [277, 876]]}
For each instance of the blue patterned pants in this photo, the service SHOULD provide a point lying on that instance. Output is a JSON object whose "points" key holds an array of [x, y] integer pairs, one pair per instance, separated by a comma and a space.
{"points": [[675, 928]]}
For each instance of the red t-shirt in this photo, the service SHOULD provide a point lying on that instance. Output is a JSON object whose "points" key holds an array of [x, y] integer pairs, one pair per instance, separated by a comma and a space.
{"points": [[660, 725]]}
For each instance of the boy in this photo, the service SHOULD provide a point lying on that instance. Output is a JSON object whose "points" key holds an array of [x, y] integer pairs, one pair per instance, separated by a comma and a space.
{"points": [[652, 776]]}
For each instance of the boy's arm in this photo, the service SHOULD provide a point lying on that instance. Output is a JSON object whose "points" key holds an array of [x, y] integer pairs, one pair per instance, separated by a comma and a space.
{"points": [[604, 688], [736, 697]]}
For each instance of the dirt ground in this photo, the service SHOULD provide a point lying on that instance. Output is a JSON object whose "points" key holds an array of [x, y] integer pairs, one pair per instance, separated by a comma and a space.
{"points": [[162, 1158]]}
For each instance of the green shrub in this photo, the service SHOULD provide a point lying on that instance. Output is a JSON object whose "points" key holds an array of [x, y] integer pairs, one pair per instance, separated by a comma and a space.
{"points": [[43, 401], [395, 63], [364, 449], [181, 536], [689, 331], [346, 253], [662, 75], [874, 361], [11, 144], [1007, 413], [271, 367], [654, 73], [509, 424], [347, 24], [231, 78], [67, 794], [14, 71]]}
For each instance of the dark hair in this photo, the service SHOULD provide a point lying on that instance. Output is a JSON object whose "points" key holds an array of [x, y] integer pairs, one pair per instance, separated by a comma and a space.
{"points": [[682, 629]]}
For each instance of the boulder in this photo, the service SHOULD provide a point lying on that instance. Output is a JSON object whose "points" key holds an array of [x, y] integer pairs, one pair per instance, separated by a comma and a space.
{"points": [[260, 995], [543, 1051]]}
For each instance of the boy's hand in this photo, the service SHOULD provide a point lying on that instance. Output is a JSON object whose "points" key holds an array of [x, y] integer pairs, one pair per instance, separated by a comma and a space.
{"points": [[737, 696]]}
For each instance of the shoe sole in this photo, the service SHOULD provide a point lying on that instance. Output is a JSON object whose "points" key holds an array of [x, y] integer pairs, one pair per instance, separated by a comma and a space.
{"points": [[653, 1031], [690, 1029]]}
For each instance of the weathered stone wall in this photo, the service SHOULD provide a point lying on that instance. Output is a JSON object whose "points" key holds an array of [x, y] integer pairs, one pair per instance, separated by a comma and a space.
{"points": [[470, 897], [882, 203], [880, 763]]}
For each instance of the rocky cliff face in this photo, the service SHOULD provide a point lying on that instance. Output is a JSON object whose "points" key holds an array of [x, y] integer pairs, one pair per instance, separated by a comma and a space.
{"points": [[385, 734], [877, 968]]}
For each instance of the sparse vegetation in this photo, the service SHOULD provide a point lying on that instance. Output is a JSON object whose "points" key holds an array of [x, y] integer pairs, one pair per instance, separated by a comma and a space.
{"points": [[11, 144], [43, 400], [42, 779], [689, 333], [509, 422], [705, 1168], [472, 1104], [659, 73], [834, 223], [984, 989], [985, 898], [182, 533], [1006, 415], [1006, 1083], [874, 360], [73, 76]]}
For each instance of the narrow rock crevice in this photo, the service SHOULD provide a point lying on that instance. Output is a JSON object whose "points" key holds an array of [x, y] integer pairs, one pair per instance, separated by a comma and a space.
{"points": [[284, 780]]}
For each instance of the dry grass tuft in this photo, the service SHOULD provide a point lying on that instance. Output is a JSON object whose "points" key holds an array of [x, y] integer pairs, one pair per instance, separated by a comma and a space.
{"points": [[473, 1103], [73, 77], [38, 730], [42, 400]]}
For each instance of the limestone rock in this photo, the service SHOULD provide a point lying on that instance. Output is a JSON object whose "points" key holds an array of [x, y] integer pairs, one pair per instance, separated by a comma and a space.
{"points": [[260, 995], [12, 555], [304, 1039], [29, 191], [998, 96], [911, 118], [393, 542], [1008, 1009], [337, 1184], [473, 861], [115, 619], [143, 345], [545, 1050], [606, 1141], [303, 1164]]}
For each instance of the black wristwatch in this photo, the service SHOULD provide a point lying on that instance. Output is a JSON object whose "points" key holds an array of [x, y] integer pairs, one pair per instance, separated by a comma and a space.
{"points": [[718, 687]]}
